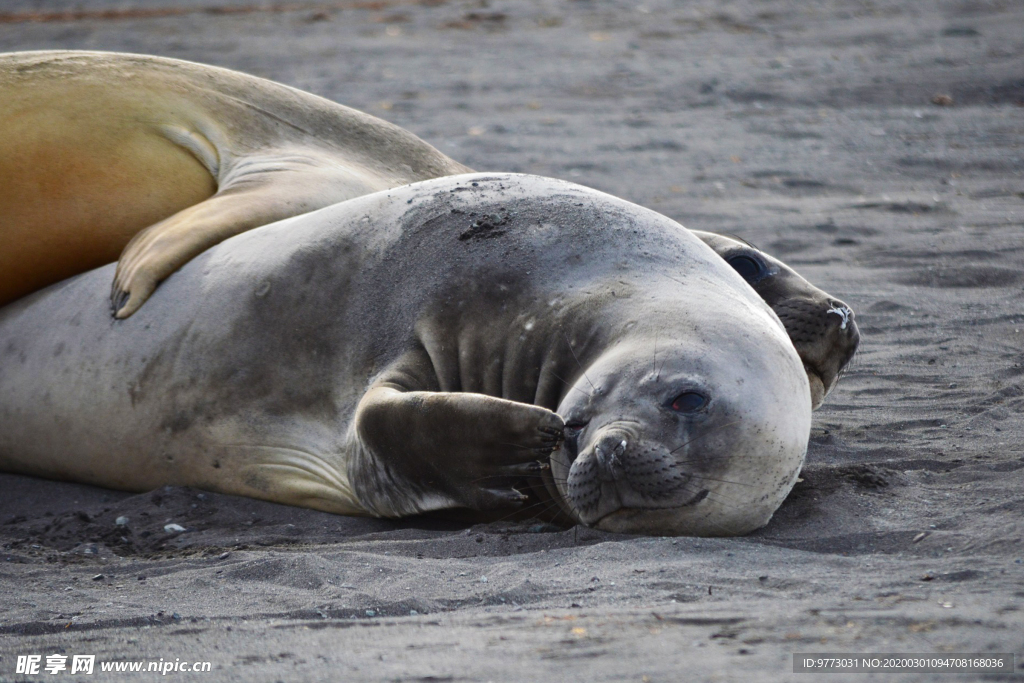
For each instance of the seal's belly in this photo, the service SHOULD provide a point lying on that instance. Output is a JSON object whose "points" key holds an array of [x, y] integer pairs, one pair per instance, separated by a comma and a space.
{"points": [[140, 404], [83, 171]]}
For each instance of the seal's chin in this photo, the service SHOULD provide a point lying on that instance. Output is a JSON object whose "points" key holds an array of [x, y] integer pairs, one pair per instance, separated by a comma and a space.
{"points": [[825, 337], [690, 519], [818, 387], [696, 499]]}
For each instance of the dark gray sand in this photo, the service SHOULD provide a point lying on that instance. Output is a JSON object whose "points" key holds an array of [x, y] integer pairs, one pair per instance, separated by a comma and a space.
{"points": [[877, 146]]}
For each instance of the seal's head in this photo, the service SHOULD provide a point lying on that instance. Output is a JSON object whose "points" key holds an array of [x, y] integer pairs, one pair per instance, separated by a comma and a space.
{"points": [[820, 326], [695, 437]]}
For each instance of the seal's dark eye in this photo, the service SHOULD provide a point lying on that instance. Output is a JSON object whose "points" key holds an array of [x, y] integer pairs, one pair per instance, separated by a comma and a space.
{"points": [[688, 402], [573, 429], [750, 269]]}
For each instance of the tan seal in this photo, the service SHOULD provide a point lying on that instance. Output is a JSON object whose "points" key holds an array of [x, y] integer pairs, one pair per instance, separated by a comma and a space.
{"points": [[156, 160]]}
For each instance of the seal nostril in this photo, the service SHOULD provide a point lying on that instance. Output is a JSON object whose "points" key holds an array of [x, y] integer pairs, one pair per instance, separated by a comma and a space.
{"points": [[609, 452], [841, 310]]}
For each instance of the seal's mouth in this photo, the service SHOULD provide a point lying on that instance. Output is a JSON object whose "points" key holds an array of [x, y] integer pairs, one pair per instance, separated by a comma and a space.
{"points": [[697, 498], [701, 495]]}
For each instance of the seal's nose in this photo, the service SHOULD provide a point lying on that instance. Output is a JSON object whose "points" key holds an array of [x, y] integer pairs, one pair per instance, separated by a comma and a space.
{"points": [[609, 450], [843, 313], [846, 336]]}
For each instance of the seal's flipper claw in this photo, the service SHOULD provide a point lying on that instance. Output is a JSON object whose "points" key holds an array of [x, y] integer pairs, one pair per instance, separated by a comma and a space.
{"points": [[129, 302], [550, 439], [118, 300], [528, 469], [263, 198]]}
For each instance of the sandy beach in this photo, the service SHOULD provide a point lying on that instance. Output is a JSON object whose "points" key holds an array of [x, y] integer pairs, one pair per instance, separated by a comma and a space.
{"points": [[877, 147]]}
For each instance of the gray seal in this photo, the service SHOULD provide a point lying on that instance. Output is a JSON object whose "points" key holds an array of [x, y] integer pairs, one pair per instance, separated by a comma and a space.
{"points": [[473, 341]]}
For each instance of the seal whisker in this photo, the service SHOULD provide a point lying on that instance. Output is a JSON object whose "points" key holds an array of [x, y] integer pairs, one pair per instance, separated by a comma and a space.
{"points": [[490, 477], [516, 445], [547, 505], [538, 475], [583, 391], [723, 481], [655, 371], [721, 500], [724, 502], [708, 433], [740, 239], [673, 279], [576, 358], [722, 456], [552, 505]]}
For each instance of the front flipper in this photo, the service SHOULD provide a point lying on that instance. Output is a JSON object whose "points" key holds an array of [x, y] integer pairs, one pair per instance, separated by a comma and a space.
{"points": [[270, 191], [426, 450]]}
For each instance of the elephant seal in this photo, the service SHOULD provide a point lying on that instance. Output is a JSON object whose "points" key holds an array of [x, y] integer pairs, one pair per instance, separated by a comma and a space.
{"points": [[162, 158], [472, 341], [821, 327]]}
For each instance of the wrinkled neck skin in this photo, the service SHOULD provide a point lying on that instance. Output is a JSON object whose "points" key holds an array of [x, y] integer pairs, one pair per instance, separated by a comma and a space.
{"points": [[532, 350], [530, 356], [521, 345]]}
